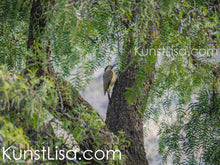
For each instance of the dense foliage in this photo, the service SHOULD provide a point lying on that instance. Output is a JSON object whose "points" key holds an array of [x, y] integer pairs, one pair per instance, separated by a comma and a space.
{"points": [[85, 35], [47, 111]]}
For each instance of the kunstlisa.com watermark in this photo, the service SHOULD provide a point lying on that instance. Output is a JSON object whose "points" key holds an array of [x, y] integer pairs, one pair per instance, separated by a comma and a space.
{"points": [[45, 154]]}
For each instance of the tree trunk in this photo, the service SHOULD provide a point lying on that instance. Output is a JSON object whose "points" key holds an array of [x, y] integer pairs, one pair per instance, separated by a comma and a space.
{"points": [[38, 20], [122, 116]]}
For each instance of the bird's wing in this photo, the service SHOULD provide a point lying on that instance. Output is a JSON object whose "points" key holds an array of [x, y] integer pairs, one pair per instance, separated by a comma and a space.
{"points": [[107, 76]]}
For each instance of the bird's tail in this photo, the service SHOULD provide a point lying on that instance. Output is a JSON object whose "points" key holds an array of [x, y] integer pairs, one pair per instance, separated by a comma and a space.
{"points": [[108, 97]]}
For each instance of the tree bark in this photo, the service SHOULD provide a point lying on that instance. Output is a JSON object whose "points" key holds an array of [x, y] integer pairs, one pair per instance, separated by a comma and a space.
{"points": [[122, 116]]}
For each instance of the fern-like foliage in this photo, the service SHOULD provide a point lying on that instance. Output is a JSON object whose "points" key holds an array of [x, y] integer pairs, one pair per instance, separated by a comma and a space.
{"points": [[194, 137]]}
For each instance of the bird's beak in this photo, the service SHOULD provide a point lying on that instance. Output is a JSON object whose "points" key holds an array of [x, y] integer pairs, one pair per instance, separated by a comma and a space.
{"points": [[114, 65]]}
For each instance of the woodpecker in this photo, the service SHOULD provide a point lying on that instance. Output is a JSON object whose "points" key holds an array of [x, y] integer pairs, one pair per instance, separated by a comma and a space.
{"points": [[109, 78]]}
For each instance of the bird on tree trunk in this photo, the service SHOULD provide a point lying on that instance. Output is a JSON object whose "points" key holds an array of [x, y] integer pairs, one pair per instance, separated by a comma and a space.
{"points": [[109, 78]]}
